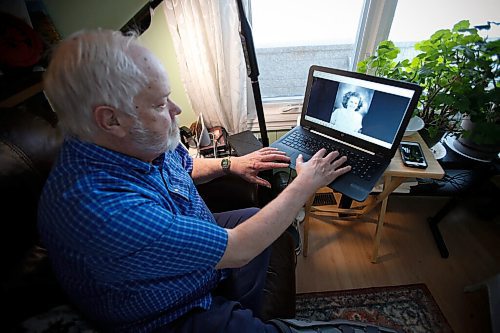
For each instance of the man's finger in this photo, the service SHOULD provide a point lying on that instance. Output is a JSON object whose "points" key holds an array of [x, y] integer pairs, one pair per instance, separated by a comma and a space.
{"points": [[338, 162], [320, 153], [270, 149], [270, 165], [276, 165], [341, 171], [300, 159], [262, 182], [275, 157], [332, 156]]}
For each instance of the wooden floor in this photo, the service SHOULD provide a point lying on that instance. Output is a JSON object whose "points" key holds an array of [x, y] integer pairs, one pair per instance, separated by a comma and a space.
{"points": [[339, 253]]}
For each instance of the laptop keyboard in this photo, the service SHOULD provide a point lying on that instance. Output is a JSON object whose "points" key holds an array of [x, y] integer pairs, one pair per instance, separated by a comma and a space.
{"points": [[361, 164]]}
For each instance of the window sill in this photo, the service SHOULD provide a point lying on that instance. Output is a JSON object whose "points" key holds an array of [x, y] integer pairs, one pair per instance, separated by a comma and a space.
{"points": [[278, 116]]}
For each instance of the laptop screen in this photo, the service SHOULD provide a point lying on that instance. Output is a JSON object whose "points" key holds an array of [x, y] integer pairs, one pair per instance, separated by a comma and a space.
{"points": [[368, 110]]}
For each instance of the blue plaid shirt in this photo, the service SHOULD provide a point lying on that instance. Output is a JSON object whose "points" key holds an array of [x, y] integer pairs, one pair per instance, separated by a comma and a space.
{"points": [[132, 243]]}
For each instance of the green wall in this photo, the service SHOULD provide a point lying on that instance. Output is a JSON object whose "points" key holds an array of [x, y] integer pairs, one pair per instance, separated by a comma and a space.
{"points": [[159, 41], [73, 15]]}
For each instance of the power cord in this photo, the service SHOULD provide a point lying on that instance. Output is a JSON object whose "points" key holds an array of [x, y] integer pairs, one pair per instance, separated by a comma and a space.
{"points": [[212, 137], [457, 181], [197, 137], [289, 176]]}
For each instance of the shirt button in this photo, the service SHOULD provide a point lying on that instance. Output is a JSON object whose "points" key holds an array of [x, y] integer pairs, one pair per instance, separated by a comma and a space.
{"points": [[176, 190]]}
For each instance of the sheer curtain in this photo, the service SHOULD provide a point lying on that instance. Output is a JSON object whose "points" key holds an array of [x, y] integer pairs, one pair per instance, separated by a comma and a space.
{"points": [[211, 61]]}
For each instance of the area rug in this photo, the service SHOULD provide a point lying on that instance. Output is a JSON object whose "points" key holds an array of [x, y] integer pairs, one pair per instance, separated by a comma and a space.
{"points": [[407, 308]]}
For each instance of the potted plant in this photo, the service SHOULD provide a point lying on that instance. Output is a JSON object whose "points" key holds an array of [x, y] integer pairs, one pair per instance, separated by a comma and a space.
{"points": [[459, 72]]}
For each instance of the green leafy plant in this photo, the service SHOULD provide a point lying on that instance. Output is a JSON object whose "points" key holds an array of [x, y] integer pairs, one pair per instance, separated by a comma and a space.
{"points": [[459, 72]]}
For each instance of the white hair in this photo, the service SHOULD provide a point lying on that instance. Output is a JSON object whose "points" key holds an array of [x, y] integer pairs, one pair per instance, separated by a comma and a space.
{"points": [[88, 69]]}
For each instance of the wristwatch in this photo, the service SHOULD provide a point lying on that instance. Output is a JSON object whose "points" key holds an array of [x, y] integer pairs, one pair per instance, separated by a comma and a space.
{"points": [[225, 163]]}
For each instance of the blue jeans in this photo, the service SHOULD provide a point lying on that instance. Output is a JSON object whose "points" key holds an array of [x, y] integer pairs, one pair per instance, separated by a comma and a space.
{"points": [[237, 300]]}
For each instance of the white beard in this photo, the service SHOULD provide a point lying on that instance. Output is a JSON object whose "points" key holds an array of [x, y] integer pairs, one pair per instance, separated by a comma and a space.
{"points": [[174, 138], [150, 142]]}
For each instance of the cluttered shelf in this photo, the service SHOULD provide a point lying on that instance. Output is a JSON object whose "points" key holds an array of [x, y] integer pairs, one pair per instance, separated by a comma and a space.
{"points": [[27, 35]]}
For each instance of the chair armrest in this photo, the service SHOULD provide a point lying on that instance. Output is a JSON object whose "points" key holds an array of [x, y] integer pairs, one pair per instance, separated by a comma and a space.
{"points": [[279, 290], [229, 193]]}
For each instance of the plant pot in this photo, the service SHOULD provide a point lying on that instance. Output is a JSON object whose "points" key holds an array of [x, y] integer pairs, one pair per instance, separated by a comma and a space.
{"points": [[469, 147], [416, 124], [431, 140]]}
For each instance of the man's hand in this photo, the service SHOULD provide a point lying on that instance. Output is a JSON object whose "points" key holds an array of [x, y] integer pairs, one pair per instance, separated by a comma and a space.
{"points": [[248, 239], [250, 165], [321, 170]]}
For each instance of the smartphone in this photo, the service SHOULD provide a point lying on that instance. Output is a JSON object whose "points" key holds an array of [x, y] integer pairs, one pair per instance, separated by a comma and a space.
{"points": [[412, 155]]}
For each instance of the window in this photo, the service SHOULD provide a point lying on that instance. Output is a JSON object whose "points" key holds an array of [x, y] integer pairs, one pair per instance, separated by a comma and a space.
{"points": [[291, 35], [443, 15]]}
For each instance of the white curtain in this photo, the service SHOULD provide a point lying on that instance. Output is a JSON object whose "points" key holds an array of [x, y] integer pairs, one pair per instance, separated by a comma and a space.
{"points": [[210, 56]]}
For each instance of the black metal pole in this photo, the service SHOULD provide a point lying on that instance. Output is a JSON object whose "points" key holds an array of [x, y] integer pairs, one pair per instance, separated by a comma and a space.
{"points": [[142, 19], [252, 70]]}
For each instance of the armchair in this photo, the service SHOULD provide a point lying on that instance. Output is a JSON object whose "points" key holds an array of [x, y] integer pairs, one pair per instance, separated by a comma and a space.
{"points": [[29, 142]]}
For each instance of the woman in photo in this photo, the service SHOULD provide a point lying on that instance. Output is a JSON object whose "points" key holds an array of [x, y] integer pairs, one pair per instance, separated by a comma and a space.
{"points": [[348, 118]]}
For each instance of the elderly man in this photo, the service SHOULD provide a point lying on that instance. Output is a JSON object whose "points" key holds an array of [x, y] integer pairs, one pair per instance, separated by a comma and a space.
{"points": [[130, 239]]}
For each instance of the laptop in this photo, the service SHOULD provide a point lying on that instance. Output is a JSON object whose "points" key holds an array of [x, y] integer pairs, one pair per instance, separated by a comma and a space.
{"points": [[362, 116]]}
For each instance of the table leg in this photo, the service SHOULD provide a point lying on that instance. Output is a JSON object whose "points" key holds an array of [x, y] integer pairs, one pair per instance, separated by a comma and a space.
{"points": [[390, 184], [378, 232], [433, 224], [306, 224], [345, 203]]}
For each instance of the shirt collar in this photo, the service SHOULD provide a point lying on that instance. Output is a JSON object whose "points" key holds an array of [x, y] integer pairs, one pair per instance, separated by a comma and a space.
{"points": [[99, 153]]}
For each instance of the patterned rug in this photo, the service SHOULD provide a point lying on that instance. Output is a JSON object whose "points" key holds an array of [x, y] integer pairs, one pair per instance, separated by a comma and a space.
{"points": [[408, 308]]}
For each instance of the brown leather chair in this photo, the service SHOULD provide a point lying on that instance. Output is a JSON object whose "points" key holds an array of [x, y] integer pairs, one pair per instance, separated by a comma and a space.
{"points": [[29, 142]]}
